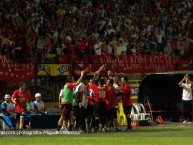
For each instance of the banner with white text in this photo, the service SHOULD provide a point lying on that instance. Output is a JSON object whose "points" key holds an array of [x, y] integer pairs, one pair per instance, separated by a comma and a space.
{"points": [[15, 72], [129, 63]]}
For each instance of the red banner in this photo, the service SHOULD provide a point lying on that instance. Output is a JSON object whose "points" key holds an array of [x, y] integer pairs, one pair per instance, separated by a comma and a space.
{"points": [[15, 72], [131, 63], [136, 63], [187, 64]]}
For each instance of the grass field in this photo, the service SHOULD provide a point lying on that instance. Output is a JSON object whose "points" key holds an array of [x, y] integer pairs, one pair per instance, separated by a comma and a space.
{"points": [[167, 134]]}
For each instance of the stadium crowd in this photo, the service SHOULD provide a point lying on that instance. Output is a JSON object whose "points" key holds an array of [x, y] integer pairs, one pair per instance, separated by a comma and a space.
{"points": [[30, 28]]}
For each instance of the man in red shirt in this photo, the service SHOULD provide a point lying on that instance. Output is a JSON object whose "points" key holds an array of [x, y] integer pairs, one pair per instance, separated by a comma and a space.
{"points": [[125, 89], [20, 98], [93, 90], [112, 103]]}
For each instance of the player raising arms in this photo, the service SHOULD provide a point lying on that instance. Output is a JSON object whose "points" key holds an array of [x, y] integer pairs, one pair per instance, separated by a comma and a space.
{"points": [[67, 100], [93, 91]]}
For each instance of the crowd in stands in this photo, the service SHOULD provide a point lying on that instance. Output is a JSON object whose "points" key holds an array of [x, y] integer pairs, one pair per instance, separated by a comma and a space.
{"points": [[117, 27]]}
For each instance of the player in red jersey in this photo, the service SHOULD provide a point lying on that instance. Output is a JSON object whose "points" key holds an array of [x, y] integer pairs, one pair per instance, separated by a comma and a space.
{"points": [[100, 105], [125, 89], [20, 98], [92, 91], [112, 102]]}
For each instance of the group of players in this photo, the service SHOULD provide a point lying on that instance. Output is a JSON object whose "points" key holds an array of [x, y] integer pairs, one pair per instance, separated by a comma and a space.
{"points": [[87, 105], [91, 105]]}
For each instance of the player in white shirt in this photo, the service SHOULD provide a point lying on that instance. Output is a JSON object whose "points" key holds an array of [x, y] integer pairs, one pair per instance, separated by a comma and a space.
{"points": [[81, 104]]}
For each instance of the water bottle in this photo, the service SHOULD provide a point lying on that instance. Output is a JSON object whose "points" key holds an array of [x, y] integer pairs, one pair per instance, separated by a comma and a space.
{"points": [[28, 107]]}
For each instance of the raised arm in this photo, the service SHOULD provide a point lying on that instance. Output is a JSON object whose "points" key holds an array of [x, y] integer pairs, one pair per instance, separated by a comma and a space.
{"points": [[110, 74], [97, 73], [184, 78], [190, 81], [80, 79]]}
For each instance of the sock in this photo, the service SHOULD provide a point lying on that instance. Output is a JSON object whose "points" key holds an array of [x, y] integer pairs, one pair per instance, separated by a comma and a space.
{"points": [[70, 127], [97, 124], [59, 127], [129, 123], [93, 122]]}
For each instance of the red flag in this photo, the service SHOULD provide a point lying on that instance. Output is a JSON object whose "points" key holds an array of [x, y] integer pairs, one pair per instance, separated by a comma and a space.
{"points": [[15, 72]]}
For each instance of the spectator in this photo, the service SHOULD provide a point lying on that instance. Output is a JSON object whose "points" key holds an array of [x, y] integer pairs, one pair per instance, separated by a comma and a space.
{"points": [[97, 47], [70, 21]]}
